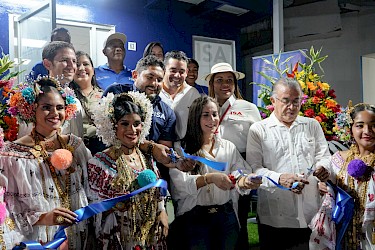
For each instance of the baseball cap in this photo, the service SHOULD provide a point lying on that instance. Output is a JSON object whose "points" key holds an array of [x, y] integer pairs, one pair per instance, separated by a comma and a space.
{"points": [[117, 35]]}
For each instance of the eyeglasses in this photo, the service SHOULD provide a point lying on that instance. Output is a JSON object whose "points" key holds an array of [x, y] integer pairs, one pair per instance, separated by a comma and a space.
{"points": [[287, 102]]}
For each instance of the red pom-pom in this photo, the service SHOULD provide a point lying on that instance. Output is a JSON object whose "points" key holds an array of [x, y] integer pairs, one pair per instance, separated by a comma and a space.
{"points": [[61, 159]]}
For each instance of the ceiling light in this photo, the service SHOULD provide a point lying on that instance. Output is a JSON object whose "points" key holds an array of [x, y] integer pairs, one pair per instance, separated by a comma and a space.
{"points": [[192, 1], [232, 9]]}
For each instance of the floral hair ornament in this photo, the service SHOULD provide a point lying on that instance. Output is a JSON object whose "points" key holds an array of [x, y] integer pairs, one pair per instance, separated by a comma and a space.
{"points": [[105, 121], [21, 103], [343, 123]]}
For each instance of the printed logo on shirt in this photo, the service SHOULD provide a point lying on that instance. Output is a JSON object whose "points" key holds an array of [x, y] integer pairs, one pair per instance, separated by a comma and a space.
{"points": [[236, 113], [159, 115]]}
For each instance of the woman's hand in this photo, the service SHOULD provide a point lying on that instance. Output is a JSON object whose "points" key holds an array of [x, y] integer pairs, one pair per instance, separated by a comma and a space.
{"points": [[184, 164], [58, 216], [252, 181], [322, 186], [221, 180], [321, 173], [163, 218]]}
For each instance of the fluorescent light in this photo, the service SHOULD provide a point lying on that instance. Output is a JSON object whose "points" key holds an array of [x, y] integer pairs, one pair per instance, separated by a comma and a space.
{"points": [[192, 1], [232, 9]]}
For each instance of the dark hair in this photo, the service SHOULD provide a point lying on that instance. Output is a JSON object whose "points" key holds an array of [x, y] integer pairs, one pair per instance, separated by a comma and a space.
{"points": [[94, 83], [359, 108], [60, 30], [193, 139], [287, 82], [148, 61], [211, 91], [150, 46], [175, 54], [51, 49], [47, 85], [193, 61], [123, 105]]}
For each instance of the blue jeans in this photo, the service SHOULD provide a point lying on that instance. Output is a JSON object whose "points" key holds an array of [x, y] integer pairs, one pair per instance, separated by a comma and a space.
{"points": [[209, 229]]}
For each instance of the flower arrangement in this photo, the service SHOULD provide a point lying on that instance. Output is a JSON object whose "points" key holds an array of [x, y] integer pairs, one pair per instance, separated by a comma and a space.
{"points": [[8, 124], [318, 100], [357, 168]]}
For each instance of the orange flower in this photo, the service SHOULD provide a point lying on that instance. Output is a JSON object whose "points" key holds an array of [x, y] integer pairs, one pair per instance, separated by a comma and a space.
{"points": [[311, 86], [316, 100], [330, 103], [14, 99], [318, 118]]}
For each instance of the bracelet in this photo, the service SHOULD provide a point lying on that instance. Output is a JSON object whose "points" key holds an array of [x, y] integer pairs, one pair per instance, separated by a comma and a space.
{"points": [[205, 179], [150, 147], [205, 182]]}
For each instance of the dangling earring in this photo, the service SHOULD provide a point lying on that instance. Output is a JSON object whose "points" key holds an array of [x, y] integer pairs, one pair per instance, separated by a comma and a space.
{"points": [[117, 144]]}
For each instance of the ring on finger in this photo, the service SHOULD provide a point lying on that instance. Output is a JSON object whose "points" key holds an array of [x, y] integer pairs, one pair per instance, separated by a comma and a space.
{"points": [[59, 219]]}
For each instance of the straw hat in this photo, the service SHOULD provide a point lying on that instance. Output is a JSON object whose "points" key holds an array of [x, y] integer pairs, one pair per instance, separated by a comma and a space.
{"points": [[117, 35], [223, 67]]}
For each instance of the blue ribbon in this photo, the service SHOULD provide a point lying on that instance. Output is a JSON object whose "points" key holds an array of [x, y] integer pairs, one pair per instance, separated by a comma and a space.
{"points": [[294, 185], [342, 212], [87, 212], [219, 166]]}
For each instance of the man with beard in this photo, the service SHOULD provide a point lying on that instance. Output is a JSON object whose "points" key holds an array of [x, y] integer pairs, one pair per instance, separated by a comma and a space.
{"points": [[148, 77], [114, 71]]}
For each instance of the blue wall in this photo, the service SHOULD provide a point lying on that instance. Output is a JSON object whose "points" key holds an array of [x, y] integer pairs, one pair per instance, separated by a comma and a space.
{"points": [[166, 21]]}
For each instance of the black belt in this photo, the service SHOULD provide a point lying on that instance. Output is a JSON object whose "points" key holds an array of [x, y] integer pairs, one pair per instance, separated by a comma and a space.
{"points": [[213, 209]]}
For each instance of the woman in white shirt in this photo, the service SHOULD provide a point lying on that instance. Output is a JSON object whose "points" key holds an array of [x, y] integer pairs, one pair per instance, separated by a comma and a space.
{"points": [[236, 117], [207, 198]]}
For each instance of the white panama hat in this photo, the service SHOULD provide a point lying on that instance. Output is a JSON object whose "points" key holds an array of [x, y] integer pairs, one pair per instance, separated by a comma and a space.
{"points": [[223, 67]]}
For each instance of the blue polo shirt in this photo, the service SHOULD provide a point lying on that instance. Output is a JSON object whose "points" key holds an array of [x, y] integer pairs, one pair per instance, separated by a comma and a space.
{"points": [[203, 90], [106, 76], [163, 118], [37, 70]]}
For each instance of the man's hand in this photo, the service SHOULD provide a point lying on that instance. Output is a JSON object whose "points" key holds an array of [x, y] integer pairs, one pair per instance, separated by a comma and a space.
{"points": [[321, 173], [287, 181], [160, 153]]}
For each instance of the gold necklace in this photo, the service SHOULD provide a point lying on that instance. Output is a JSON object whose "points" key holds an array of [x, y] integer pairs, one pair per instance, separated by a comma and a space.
{"points": [[354, 233], [40, 152]]}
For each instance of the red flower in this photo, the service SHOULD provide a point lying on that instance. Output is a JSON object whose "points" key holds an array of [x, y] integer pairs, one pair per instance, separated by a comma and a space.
{"points": [[309, 113], [323, 117], [319, 93], [371, 197], [137, 247], [3, 83], [336, 109], [318, 119], [331, 93]]}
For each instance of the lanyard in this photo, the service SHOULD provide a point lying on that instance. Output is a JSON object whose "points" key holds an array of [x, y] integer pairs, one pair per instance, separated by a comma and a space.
{"points": [[222, 117]]}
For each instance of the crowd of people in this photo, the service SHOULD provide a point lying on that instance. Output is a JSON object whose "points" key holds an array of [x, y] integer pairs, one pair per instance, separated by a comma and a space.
{"points": [[90, 134]]}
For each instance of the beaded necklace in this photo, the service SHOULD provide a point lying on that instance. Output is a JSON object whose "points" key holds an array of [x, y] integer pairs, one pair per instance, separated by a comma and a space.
{"points": [[354, 233], [142, 208]]}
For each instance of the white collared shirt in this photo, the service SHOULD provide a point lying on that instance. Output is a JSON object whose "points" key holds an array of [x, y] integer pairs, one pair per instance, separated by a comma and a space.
{"points": [[180, 105], [184, 188], [237, 121], [274, 149]]}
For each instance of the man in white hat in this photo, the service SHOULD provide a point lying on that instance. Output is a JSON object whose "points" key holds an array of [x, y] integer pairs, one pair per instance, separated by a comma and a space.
{"points": [[114, 71]]}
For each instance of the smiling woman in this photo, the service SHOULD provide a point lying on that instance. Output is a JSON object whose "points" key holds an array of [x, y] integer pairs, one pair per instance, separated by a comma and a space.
{"points": [[40, 194], [89, 94]]}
